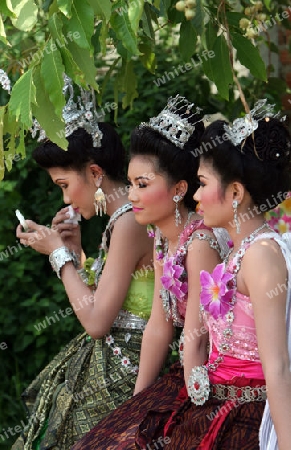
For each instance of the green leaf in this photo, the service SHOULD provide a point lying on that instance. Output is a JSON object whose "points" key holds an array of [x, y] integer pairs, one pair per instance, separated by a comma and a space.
{"points": [[71, 68], [147, 57], [164, 6], [187, 42], [233, 18], [22, 96], [55, 27], [44, 111], [107, 78], [65, 6], [6, 8], [267, 3], [121, 25], [129, 84], [52, 71], [210, 34], [218, 69], [85, 62], [102, 8], [26, 14], [249, 56], [198, 20], [3, 37], [135, 11], [2, 166], [81, 23], [147, 21], [103, 37]]}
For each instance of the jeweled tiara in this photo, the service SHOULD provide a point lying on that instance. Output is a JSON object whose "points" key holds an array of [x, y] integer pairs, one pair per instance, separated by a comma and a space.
{"points": [[173, 121], [79, 114], [243, 127]]}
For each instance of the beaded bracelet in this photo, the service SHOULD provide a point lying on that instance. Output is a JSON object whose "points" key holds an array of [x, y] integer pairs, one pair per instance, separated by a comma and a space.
{"points": [[60, 256]]}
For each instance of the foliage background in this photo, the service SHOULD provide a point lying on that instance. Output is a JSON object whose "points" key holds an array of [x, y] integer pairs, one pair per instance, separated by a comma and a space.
{"points": [[29, 290]]}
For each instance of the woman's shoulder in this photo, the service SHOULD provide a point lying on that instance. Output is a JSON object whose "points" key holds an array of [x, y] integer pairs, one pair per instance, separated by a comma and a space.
{"points": [[265, 250]]}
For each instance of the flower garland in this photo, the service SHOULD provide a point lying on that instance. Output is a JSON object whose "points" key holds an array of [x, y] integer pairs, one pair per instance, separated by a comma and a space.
{"points": [[117, 352]]}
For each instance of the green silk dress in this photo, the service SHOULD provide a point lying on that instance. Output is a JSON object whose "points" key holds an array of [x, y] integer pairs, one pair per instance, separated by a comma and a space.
{"points": [[88, 378]]}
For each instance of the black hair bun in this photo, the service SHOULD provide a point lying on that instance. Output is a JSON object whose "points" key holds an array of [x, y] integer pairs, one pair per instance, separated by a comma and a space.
{"points": [[271, 142]]}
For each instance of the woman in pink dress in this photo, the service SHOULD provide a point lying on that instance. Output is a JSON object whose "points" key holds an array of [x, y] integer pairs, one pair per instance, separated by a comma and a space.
{"points": [[161, 174]]}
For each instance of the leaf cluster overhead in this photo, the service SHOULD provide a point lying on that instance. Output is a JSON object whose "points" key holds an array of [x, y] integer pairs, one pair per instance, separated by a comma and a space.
{"points": [[41, 40]]}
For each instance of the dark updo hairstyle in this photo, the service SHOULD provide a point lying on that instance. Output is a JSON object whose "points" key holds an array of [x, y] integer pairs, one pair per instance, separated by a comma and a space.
{"points": [[174, 162], [110, 156], [261, 163]]}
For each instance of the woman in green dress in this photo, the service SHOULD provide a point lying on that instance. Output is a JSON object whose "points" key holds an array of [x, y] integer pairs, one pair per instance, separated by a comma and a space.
{"points": [[96, 371]]}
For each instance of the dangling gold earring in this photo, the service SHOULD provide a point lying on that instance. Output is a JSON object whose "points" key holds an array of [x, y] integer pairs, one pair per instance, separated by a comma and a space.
{"points": [[235, 217], [100, 201]]}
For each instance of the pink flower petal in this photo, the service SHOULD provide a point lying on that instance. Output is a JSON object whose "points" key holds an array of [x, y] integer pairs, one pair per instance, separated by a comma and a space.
{"points": [[218, 272]]}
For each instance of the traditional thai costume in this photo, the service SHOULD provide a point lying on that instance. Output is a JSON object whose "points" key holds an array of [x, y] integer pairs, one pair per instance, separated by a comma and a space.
{"points": [[125, 427], [89, 378]]}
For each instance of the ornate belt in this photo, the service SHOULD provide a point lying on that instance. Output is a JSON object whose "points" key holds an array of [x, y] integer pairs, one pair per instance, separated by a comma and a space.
{"points": [[239, 394], [127, 320]]}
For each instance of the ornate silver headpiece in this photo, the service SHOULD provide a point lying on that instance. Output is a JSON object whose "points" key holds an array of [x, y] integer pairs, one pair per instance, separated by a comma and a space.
{"points": [[173, 120], [80, 114], [4, 81], [245, 126]]}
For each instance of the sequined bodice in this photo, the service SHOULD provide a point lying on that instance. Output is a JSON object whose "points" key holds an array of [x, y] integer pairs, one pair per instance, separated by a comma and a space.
{"points": [[139, 296], [234, 334], [243, 342]]}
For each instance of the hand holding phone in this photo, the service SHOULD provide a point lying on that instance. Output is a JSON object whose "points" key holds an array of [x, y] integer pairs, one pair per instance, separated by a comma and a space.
{"points": [[22, 220]]}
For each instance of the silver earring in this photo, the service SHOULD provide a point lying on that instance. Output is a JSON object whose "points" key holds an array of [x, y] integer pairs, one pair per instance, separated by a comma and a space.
{"points": [[235, 216], [99, 202], [178, 217]]}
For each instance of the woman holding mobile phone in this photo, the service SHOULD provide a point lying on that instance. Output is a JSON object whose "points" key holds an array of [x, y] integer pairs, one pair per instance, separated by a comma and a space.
{"points": [[112, 299]]}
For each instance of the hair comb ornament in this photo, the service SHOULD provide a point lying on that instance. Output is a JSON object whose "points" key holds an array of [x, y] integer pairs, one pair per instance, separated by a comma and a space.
{"points": [[243, 127], [76, 114], [173, 121]]}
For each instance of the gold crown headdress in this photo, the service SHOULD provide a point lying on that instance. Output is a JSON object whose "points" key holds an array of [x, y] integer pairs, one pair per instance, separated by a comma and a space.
{"points": [[243, 127], [173, 121], [80, 114]]}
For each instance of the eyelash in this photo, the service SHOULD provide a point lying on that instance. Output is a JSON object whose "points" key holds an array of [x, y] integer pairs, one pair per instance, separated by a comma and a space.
{"points": [[140, 185], [201, 183]]}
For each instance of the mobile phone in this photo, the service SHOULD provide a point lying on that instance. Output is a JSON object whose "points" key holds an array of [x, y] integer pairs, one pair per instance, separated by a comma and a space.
{"points": [[22, 220]]}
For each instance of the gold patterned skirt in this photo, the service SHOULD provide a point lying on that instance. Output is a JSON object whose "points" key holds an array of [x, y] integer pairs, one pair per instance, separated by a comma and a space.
{"points": [[85, 382]]}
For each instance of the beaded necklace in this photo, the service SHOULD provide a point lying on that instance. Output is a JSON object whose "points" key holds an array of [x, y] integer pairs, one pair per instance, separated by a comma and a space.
{"points": [[98, 264], [162, 243], [174, 279]]}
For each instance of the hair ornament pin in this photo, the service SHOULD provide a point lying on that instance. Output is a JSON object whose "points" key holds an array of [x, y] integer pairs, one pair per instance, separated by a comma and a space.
{"points": [[243, 127], [173, 121], [4, 81], [76, 114]]}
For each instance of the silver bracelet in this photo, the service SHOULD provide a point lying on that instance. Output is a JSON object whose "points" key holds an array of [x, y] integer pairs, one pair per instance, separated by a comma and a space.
{"points": [[83, 275], [59, 257]]}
